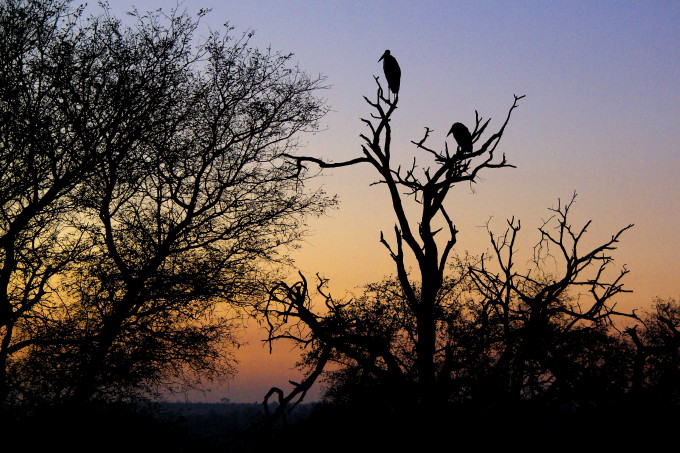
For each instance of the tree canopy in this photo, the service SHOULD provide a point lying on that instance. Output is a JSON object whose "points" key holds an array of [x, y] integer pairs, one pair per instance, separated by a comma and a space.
{"points": [[143, 182]]}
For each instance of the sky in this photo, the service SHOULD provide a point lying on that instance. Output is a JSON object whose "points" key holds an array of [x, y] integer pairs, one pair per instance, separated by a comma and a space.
{"points": [[600, 118]]}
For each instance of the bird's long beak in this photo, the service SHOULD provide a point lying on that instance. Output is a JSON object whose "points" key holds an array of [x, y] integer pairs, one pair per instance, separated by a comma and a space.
{"points": [[381, 58]]}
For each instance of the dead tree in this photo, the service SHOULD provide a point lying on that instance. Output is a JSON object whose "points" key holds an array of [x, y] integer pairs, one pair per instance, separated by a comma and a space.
{"points": [[429, 187], [535, 311]]}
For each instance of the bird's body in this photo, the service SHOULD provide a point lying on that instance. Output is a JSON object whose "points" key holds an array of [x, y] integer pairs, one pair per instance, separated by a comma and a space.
{"points": [[392, 71], [463, 137]]}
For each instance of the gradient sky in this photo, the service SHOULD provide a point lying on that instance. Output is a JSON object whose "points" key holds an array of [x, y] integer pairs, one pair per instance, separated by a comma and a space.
{"points": [[601, 118]]}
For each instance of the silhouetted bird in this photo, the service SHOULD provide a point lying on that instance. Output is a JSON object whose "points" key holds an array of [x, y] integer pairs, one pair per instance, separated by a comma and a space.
{"points": [[462, 136], [392, 71]]}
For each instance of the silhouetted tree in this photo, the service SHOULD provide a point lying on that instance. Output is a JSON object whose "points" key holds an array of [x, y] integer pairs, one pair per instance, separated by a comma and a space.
{"points": [[143, 182], [472, 330], [546, 328], [657, 353], [504, 336], [429, 187]]}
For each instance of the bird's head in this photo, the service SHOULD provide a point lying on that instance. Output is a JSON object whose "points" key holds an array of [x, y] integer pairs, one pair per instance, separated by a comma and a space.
{"points": [[457, 127], [386, 54]]}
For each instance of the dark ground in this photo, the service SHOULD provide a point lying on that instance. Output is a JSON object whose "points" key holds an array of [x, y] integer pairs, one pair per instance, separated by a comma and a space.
{"points": [[206, 428]]}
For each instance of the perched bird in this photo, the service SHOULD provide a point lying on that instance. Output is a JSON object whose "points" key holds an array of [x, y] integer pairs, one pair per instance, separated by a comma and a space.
{"points": [[462, 136], [392, 71]]}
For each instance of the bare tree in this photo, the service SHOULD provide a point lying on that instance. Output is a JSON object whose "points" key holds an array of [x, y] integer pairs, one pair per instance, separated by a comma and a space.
{"points": [[503, 335], [532, 319], [144, 181], [459, 328], [421, 294]]}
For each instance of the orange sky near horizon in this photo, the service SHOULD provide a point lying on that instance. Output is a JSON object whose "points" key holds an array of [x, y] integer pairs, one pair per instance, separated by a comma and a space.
{"points": [[601, 118]]}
